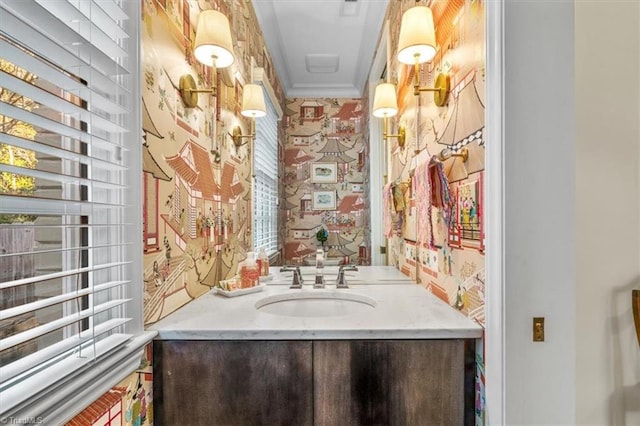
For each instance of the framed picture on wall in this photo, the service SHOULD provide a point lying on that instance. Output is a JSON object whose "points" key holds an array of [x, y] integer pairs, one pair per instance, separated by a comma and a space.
{"points": [[468, 211], [324, 172], [467, 228], [324, 200]]}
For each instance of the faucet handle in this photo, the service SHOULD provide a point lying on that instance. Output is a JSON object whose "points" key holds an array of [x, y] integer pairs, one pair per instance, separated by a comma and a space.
{"points": [[348, 268], [297, 275], [319, 283], [341, 281]]}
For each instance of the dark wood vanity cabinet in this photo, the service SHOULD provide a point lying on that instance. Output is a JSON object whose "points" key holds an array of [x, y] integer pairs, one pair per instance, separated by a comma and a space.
{"points": [[389, 382], [342, 383], [206, 383]]}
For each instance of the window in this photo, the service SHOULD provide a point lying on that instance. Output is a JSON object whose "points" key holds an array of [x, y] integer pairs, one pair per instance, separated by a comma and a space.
{"points": [[265, 192], [70, 181]]}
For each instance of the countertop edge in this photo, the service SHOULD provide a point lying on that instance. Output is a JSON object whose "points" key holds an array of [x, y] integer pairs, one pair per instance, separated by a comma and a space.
{"points": [[319, 335]]}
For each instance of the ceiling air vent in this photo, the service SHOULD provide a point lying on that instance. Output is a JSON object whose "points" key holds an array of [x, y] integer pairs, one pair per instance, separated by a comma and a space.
{"points": [[322, 63], [349, 8]]}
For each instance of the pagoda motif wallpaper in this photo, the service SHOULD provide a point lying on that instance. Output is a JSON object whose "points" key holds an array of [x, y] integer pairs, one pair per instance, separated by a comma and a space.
{"points": [[441, 247], [197, 219], [326, 175], [196, 182]]}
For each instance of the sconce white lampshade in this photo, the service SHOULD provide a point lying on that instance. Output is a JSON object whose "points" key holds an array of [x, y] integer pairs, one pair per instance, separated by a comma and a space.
{"points": [[417, 36], [213, 38], [385, 103], [253, 101]]}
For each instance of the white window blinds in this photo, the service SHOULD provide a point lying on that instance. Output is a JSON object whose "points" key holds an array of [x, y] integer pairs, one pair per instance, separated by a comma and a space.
{"points": [[265, 190], [69, 190]]}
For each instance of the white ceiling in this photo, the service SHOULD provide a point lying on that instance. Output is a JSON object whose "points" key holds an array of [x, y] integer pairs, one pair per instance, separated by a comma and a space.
{"points": [[299, 31]]}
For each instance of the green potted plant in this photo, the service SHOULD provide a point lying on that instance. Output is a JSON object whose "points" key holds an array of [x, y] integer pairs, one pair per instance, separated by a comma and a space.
{"points": [[322, 236]]}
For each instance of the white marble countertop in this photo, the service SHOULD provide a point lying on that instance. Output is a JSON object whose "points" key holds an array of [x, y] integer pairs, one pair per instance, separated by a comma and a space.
{"points": [[402, 311]]}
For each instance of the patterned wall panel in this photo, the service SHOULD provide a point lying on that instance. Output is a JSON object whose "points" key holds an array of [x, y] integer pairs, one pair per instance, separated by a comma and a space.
{"points": [[450, 259], [197, 183], [326, 180]]}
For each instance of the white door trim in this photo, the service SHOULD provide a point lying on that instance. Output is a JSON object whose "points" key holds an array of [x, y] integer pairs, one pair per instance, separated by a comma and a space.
{"points": [[495, 215]]}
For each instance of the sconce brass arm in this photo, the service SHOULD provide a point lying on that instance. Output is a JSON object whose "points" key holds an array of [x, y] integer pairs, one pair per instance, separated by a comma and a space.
{"points": [[441, 89], [189, 90], [401, 136], [237, 137]]}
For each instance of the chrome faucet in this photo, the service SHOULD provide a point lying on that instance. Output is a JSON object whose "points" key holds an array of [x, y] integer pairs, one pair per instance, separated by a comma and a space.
{"points": [[319, 269], [341, 281], [297, 276]]}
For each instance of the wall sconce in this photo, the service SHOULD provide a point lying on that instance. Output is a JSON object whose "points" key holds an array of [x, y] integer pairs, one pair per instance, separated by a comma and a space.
{"points": [[253, 106], [385, 105], [212, 47], [417, 44], [447, 153]]}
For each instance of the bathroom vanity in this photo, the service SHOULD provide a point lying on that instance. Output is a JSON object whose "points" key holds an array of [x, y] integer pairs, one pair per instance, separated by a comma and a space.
{"points": [[380, 353]]}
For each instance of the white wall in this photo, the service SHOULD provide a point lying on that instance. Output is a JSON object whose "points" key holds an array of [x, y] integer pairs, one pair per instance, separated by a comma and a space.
{"points": [[539, 208], [607, 64], [572, 211]]}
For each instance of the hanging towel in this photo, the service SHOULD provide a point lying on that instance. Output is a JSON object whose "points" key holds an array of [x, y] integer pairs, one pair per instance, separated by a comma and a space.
{"points": [[387, 208], [420, 183], [440, 193], [431, 189], [399, 190]]}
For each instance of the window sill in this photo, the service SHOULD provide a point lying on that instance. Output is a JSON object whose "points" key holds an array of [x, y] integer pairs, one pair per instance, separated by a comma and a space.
{"points": [[61, 401]]}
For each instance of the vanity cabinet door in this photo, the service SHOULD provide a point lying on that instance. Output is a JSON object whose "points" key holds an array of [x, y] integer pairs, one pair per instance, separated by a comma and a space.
{"points": [[389, 382], [233, 383]]}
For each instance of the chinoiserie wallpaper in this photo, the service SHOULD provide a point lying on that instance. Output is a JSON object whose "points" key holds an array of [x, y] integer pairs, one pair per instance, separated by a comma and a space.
{"points": [[434, 216], [326, 175], [436, 234], [197, 183]]}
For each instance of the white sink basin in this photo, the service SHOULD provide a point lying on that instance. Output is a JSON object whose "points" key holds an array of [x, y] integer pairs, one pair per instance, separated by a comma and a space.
{"points": [[316, 303]]}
